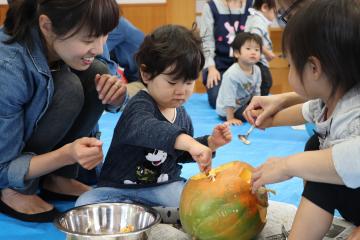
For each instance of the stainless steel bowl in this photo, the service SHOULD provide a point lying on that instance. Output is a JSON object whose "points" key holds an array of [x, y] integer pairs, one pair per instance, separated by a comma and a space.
{"points": [[105, 220]]}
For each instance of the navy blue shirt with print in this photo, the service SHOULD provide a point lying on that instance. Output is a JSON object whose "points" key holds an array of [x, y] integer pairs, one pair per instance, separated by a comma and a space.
{"points": [[225, 28], [142, 150]]}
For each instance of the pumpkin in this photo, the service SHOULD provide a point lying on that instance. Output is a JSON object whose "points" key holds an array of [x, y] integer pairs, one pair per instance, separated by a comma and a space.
{"points": [[223, 208]]}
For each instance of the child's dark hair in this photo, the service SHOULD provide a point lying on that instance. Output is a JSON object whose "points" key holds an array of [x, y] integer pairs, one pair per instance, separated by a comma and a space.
{"points": [[171, 45], [98, 16], [258, 4], [330, 31], [243, 37]]}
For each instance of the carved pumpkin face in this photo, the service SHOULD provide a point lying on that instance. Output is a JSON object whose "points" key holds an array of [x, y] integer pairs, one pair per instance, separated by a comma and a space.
{"points": [[224, 209]]}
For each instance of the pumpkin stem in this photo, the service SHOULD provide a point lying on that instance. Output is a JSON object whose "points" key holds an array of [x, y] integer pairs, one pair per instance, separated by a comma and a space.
{"points": [[263, 190], [212, 177]]}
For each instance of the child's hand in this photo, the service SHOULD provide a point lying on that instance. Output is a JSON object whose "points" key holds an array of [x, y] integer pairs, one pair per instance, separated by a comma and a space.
{"points": [[202, 155], [220, 136], [234, 122], [252, 115], [110, 89], [272, 171]]}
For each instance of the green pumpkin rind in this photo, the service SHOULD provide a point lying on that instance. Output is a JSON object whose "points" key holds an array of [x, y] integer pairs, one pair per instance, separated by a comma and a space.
{"points": [[225, 217]]}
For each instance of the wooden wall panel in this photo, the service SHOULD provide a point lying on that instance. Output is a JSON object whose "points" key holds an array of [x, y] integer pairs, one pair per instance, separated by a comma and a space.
{"points": [[279, 69], [276, 37], [181, 12], [3, 10], [145, 16], [149, 16]]}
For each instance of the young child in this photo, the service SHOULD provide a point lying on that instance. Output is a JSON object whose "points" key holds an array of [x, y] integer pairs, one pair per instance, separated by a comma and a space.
{"points": [[220, 21], [261, 16], [242, 80], [324, 60], [154, 134]]}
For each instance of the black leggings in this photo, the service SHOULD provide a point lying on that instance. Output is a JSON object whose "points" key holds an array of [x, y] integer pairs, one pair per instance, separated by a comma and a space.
{"points": [[331, 197], [266, 79], [73, 113]]}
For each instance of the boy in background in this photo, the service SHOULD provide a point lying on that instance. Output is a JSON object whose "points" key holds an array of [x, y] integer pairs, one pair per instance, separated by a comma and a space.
{"points": [[242, 80]]}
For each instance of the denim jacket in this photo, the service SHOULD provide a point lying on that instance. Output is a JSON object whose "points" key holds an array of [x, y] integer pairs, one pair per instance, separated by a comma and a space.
{"points": [[26, 89]]}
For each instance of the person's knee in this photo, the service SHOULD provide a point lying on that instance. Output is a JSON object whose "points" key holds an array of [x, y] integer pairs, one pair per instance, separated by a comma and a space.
{"points": [[87, 77], [68, 91], [86, 198], [99, 67]]}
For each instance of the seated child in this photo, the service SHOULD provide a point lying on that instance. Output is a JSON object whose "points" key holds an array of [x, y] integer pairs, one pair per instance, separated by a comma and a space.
{"points": [[242, 80], [324, 69], [261, 16], [154, 134]]}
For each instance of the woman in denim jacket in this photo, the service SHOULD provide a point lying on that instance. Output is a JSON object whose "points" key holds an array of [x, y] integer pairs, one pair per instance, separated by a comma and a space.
{"points": [[52, 93]]}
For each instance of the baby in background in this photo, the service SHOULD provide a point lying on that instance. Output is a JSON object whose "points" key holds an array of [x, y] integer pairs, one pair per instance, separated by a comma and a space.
{"points": [[242, 80], [154, 134]]}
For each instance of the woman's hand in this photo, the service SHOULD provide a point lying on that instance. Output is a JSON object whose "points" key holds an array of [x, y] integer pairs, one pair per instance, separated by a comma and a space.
{"points": [[272, 171], [220, 136], [213, 77], [111, 90], [85, 151]]}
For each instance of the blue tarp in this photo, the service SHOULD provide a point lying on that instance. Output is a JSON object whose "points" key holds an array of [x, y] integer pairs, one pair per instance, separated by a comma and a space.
{"points": [[279, 141]]}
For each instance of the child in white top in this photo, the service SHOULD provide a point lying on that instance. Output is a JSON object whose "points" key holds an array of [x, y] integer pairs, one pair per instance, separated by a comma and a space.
{"points": [[324, 60]]}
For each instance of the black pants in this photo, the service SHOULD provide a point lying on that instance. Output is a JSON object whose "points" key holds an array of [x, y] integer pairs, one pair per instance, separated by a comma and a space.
{"points": [[266, 79], [331, 197], [213, 92], [73, 113]]}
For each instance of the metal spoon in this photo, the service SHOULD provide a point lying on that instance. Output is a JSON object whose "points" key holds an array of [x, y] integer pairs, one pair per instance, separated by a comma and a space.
{"points": [[244, 138]]}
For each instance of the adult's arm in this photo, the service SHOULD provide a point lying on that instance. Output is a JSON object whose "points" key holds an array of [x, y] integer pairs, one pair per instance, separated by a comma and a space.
{"points": [[14, 163], [207, 35], [85, 151]]}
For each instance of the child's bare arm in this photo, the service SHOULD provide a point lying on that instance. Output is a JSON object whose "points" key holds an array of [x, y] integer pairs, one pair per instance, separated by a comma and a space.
{"points": [[316, 166], [199, 152], [287, 117]]}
